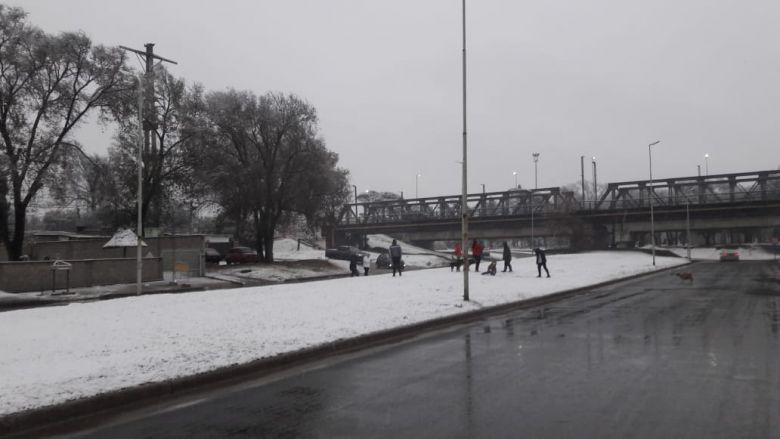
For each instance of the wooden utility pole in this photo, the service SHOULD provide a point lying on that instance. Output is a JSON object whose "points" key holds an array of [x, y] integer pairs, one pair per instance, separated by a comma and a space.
{"points": [[146, 126]]}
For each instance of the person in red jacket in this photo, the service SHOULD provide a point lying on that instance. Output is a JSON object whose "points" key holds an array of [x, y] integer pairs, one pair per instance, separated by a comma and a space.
{"points": [[476, 250], [458, 256]]}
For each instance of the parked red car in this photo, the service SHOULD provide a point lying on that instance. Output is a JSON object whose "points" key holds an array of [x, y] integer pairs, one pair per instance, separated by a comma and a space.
{"points": [[240, 255]]}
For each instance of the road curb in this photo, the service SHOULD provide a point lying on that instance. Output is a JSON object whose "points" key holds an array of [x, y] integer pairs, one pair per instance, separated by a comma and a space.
{"points": [[60, 416]]}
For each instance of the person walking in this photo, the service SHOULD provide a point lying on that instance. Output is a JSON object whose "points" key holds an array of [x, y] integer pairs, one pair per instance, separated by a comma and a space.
{"points": [[366, 263], [476, 250], [541, 262], [458, 256], [353, 261], [395, 257], [507, 258]]}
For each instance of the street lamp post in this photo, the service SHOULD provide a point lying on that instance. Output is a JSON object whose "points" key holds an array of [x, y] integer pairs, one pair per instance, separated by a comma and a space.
{"points": [[698, 169], [582, 175], [595, 185], [536, 161], [463, 207], [650, 198], [515, 174], [416, 184], [356, 203], [688, 229], [706, 164], [531, 201]]}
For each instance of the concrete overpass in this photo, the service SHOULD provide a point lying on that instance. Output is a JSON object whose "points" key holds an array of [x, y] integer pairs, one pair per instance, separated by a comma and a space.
{"points": [[723, 209]]}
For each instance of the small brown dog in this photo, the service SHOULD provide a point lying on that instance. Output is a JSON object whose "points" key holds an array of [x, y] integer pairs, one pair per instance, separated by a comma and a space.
{"points": [[684, 275]]}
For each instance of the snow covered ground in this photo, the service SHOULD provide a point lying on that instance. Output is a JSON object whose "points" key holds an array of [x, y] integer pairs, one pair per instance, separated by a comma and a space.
{"points": [[287, 250], [746, 253], [53, 354]]}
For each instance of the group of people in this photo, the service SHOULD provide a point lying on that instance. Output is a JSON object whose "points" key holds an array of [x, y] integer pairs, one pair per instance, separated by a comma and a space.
{"points": [[477, 249], [364, 259]]}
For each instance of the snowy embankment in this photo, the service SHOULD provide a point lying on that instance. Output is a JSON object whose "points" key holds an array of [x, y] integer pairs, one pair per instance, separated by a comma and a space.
{"points": [[53, 354]]}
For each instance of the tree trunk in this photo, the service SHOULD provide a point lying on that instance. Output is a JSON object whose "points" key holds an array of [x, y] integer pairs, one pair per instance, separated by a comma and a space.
{"points": [[329, 232], [257, 223], [268, 237], [14, 247]]}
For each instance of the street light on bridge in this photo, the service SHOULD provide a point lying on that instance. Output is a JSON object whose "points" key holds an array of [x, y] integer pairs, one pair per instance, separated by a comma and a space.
{"points": [[650, 198], [706, 164], [531, 201], [416, 184], [515, 174], [595, 186], [536, 161]]}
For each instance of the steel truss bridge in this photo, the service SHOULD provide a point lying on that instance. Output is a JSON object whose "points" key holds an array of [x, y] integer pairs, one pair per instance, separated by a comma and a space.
{"points": [[713, 196]]}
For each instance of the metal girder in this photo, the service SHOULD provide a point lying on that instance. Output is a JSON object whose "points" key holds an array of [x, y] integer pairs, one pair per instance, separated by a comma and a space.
{"points": [[713, 189]]}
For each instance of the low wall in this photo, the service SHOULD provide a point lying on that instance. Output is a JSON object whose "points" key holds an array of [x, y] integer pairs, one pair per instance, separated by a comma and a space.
{"points": [[189, 248], [93, 248], [18, 277]]}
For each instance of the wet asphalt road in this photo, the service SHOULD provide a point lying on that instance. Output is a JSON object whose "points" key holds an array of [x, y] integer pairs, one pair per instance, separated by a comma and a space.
{"points": [[652, 358]]}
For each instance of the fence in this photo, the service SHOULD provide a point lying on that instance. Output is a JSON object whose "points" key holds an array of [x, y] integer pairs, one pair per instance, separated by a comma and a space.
{"points": [[182, 264]]}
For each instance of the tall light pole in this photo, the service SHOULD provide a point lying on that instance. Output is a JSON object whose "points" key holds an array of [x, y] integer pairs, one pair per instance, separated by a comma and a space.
{"points": [[417, 184], [706, 164], [515, 174], [531, 201], [145, 133], [140, 176], [688, 228], [356, 203], [595, 185], [536, 161], [698, 169], [463, 207], [582, 175], [650, 198]]}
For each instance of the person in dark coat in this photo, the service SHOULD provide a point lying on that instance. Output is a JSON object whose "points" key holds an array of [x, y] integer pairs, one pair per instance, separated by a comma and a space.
{"points": [[395, 257], [353, 263], [541, 262], [476, 250], [507, 258]]}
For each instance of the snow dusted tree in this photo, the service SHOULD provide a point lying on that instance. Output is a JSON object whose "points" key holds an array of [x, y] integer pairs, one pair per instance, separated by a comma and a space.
{"points": [[47, 85], [271, 156], [166, 171], [324, 198]]}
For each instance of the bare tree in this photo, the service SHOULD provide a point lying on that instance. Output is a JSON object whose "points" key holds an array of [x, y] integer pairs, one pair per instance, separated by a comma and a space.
{"points": [[166, 169], [47, 85]]}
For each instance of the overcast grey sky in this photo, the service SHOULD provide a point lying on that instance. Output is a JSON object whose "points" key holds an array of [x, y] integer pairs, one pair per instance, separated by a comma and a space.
{"points": [[563, 78]]}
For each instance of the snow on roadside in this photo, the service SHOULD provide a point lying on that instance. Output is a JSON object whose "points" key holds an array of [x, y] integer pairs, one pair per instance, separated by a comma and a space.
{"points": [[54, 354], [286, 249], [746, 253]]}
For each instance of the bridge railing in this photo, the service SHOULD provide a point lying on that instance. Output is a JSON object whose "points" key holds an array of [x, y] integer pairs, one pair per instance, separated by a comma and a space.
{"points": [[665, 200]]}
